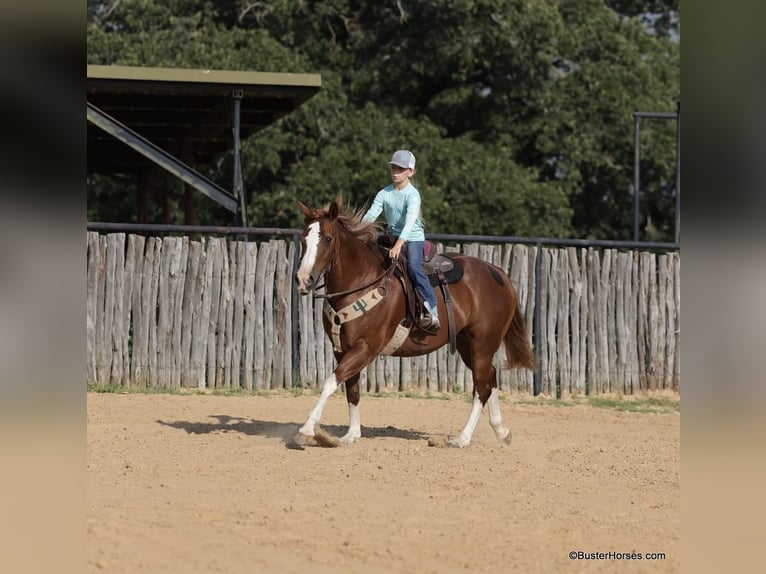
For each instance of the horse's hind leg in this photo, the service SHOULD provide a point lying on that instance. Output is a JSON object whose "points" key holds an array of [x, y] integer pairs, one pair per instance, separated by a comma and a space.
{"points": [[464, 438], [484, 391], [478, 367], [354, 420], [502, 432]]}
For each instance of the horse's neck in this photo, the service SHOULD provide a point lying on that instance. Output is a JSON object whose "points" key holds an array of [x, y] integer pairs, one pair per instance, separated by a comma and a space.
{"points": [[354, 264]]}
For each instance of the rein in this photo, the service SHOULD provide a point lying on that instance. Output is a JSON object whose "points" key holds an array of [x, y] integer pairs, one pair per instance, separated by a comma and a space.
{"points": [[336, 318], [359, 308], [388, 271]]}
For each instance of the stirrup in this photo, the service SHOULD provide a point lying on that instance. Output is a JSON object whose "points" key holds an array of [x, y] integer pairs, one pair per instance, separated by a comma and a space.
{"points": [[428, 324]]}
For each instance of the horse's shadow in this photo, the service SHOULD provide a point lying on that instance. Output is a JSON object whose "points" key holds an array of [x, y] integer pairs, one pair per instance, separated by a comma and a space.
{"points": [[284, 431]]}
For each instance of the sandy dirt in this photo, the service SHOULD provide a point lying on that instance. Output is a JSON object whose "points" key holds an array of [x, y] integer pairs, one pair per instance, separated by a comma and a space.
{"points": [[202, 483]]}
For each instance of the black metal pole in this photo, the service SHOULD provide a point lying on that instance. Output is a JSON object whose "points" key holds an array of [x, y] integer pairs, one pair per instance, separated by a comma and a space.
{"points": [[637, 166], [168, 228], [678, 171], [636, 172], [538, 377], [239, 186]]}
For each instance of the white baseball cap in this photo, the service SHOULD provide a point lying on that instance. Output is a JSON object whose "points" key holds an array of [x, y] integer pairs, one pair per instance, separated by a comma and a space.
{"points": [[403, 158]]}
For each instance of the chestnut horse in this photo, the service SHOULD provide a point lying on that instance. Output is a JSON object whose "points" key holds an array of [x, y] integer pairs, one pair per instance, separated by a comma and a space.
{"points": [[339, 245]]}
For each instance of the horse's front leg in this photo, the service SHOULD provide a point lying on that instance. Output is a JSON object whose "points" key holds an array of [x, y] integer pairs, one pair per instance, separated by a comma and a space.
{"points": [[329, 386], [353, 361]]}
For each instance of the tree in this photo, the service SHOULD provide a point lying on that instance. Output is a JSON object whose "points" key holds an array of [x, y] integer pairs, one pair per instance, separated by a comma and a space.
{"points": [[609, 68], [520, 113]]}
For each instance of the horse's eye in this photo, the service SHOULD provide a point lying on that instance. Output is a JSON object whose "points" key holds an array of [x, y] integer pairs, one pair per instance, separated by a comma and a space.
{"points": [[327, 239]]}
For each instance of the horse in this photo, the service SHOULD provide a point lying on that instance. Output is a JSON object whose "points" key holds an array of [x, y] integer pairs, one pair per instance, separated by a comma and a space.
{"points": [[336, 243]]}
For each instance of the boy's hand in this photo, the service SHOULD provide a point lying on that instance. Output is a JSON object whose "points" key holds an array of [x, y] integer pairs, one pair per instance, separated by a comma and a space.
{"points": [[396, 249]]}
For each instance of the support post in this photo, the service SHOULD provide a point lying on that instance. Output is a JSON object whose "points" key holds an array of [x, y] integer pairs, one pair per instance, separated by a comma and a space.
{"points": [[637, 167], [636, 172], [678, 171], [295, 302], [537, 381], [239, 185]]}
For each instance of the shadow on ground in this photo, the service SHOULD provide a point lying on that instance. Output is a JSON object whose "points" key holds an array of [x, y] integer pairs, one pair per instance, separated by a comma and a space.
{"points": [[283, 431]]}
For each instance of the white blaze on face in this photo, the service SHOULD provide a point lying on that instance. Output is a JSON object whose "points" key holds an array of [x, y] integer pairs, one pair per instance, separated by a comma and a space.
{"points": [[307, 263]]}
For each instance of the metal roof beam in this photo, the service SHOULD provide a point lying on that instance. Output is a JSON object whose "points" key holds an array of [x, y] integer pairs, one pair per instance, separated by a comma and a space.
{"points": [[161, 157]]}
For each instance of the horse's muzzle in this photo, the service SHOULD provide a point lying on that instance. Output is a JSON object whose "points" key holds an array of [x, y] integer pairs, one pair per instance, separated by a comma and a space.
{"points": [[305, 284]]}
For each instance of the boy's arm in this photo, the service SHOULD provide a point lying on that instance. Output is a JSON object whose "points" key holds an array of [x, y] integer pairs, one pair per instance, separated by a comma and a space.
{"points": [[375, 209], [413, 211]]}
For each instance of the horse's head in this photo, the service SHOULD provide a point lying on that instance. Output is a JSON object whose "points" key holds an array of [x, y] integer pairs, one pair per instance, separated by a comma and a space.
{"points": [[318, 242]]}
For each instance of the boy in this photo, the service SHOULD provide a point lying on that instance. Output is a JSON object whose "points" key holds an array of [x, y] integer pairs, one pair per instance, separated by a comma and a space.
{"points": [[400, 203]]}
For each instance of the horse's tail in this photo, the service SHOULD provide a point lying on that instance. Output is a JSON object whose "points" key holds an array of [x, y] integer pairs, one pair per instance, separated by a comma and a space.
{"points": [[518, 349]]}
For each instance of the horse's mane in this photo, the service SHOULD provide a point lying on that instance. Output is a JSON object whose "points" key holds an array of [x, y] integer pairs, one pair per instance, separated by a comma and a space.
{"points": [[351, 220]]}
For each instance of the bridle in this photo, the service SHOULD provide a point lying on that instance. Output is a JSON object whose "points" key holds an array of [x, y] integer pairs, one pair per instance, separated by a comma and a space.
{"points": [[386, 273], [336, 318]]}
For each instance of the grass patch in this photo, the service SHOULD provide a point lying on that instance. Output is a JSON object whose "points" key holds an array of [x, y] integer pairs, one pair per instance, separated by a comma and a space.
{"points": [[549, 402], [219, 392], [118, 390], [412, 394], [95, 388], [635, 404], [428, 395], [638, 404]]}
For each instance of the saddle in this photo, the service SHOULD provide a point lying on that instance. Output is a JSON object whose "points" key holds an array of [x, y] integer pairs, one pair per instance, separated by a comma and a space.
{"points": [[441, 269]]}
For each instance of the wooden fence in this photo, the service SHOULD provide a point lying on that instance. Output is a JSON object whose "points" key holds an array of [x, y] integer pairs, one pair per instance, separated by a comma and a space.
{"points": [[217, 313]]}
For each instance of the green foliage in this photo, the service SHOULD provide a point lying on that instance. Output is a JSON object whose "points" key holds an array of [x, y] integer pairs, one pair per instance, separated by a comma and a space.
{"points": [[520, 113]]}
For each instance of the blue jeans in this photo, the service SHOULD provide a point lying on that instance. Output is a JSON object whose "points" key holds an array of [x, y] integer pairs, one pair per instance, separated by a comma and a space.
{"points": [[415, 252]]}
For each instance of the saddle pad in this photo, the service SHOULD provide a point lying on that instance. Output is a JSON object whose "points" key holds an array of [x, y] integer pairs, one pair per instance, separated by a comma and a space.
{"points": [[450, 268]]}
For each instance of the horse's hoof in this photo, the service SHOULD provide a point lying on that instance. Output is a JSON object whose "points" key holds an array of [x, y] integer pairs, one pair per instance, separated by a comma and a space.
{"points": [[455, 443], [438, 441], [301, 441], [507, 438], [323, 439], [346, 439]]}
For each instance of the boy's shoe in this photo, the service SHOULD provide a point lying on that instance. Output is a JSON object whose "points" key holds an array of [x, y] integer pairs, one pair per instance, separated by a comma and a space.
{"points": [[429, 322]]}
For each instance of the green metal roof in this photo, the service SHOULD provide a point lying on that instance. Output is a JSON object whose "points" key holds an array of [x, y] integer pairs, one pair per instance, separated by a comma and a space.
{"points": [[167, 77]]}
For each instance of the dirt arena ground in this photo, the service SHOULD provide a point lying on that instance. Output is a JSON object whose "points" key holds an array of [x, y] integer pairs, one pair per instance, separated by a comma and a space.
{"points": [[205, 483]]}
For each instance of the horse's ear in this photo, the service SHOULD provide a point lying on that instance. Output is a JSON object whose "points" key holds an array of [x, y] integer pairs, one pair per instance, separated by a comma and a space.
{"points": [[334, 209], [304, 209], [336, 206]]}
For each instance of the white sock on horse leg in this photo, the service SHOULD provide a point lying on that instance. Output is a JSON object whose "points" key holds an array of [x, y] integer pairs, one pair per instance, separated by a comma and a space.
{"points": [[329, 387], [464, 438], [496, 417], [354, 425]]}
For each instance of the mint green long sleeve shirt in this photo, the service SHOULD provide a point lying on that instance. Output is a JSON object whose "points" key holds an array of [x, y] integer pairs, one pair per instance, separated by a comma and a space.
{"points": [[401, 210]]}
